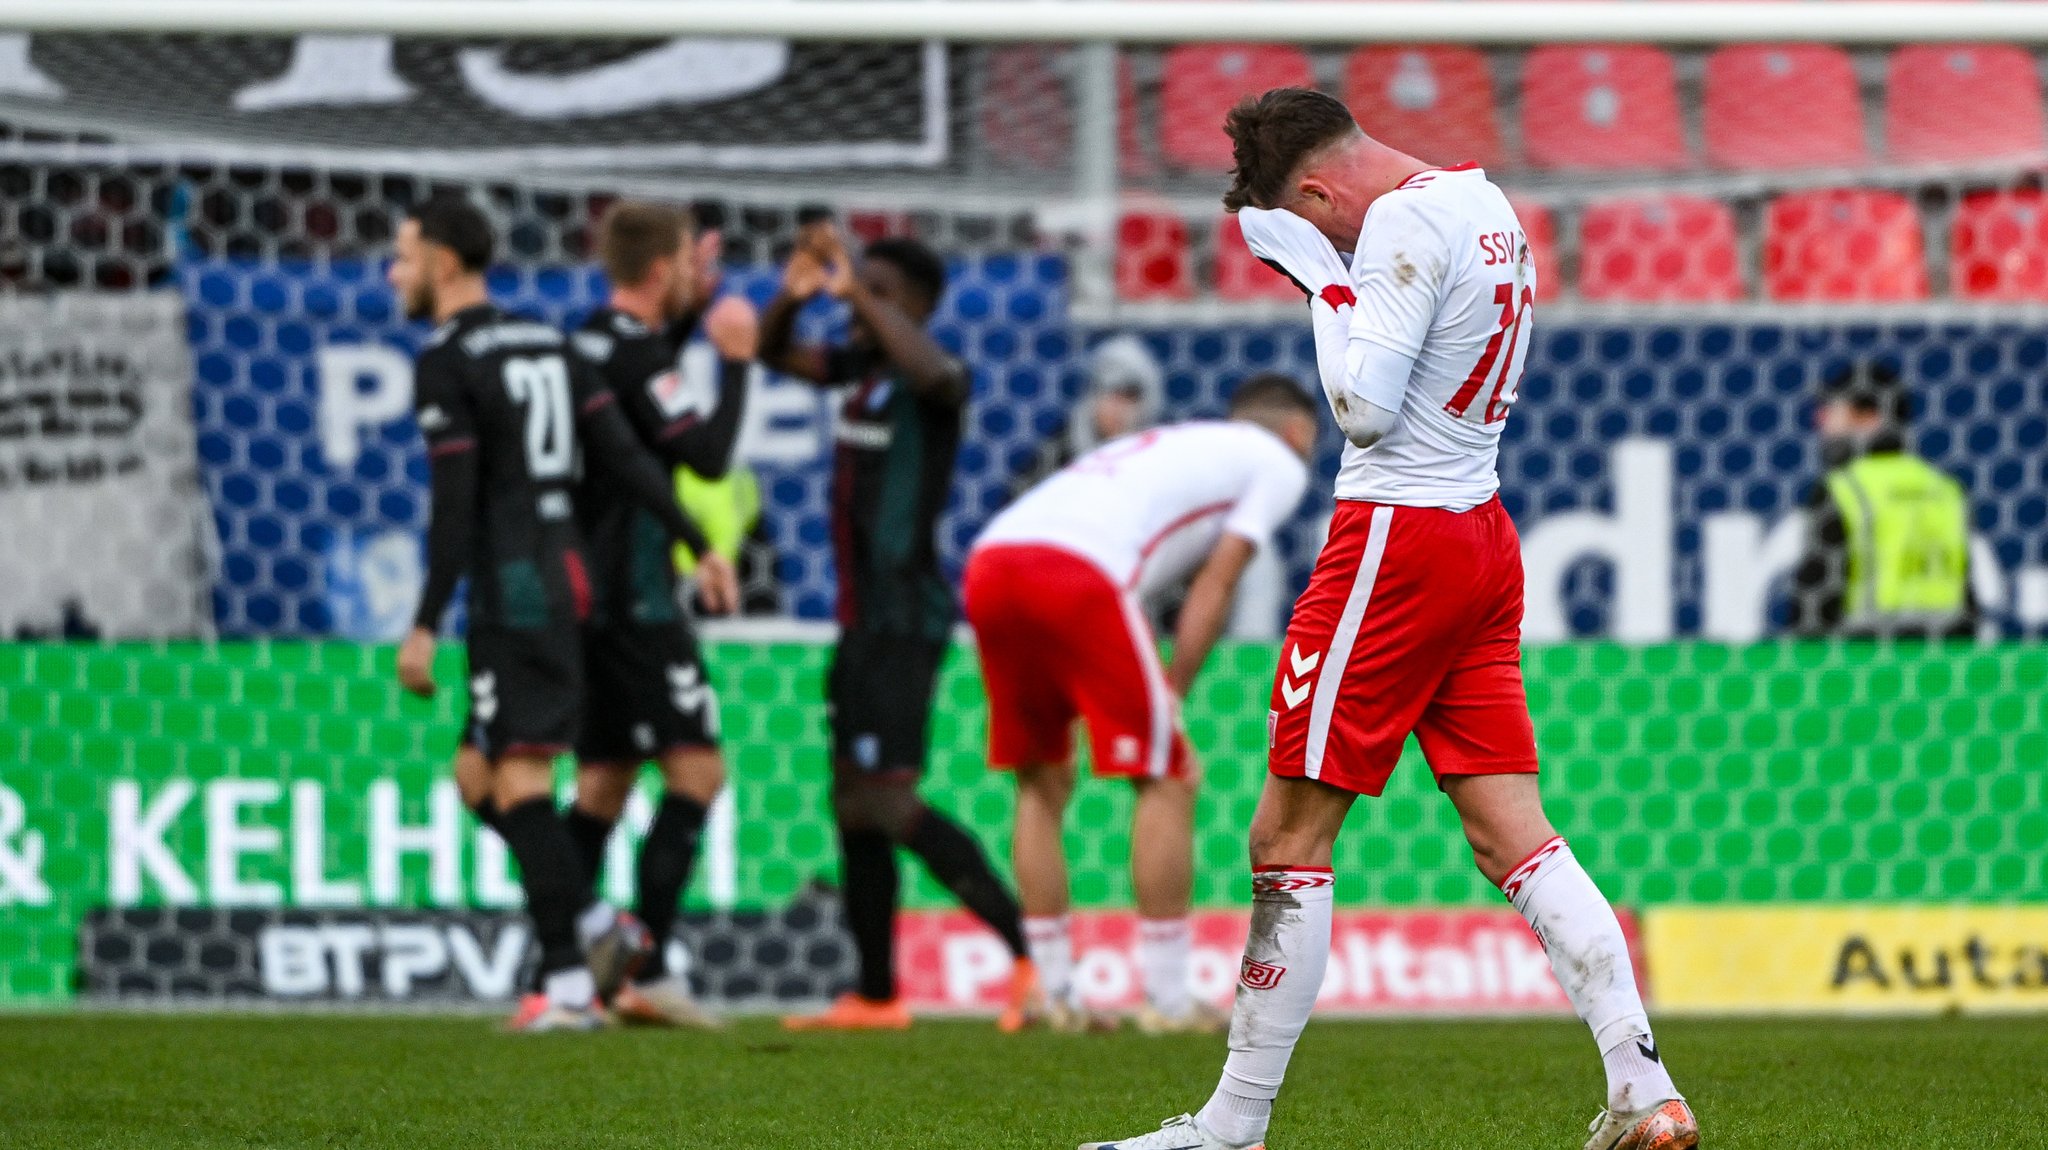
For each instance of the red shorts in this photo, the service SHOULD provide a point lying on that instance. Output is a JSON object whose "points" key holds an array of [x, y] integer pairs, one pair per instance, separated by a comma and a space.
{"points": [[1411, 623], [1060, 640]]}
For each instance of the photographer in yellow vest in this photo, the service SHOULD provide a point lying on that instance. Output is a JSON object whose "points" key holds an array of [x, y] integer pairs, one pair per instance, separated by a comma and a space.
{"points": [[1889, 533]]}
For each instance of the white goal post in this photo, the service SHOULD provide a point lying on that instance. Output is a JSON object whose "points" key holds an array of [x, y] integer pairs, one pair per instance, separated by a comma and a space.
{"points": [[1129, 21]]}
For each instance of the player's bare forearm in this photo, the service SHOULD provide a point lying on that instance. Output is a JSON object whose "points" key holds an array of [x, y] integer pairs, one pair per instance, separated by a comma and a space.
{"points": [[924, 366], [779, 349], [1205, 611]]}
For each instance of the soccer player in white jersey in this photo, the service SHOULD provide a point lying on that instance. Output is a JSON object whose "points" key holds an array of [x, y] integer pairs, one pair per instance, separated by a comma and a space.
{"points": [[1054, 589], [1411, 622]]}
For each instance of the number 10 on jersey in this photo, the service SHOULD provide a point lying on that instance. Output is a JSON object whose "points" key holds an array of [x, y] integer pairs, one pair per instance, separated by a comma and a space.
{"points": [[1494, 367]]}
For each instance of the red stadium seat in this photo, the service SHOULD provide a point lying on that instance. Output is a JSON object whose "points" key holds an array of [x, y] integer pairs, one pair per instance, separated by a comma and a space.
{"points": [[1202, 81], [1775, 106], [1999, 248], [1954, 102], [1540, 228], [1669, 249], [1152, 260], [1601, 107], [1431, 101], [1843, 244], [1027, 118], [1240, 275]]}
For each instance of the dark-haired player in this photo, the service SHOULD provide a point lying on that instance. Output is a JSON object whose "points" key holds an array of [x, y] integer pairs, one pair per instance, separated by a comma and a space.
{"points": [[646, 692], [510, 418], [898, 435], [1412, 620], [1056, 590]]}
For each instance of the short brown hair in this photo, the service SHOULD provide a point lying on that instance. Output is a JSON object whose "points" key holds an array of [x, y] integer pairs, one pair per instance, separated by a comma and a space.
{"points": [[1271, 134], [1271, 391], [633, 234]]}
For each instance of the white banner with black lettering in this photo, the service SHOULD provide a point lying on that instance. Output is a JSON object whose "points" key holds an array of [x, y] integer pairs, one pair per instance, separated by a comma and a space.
{"points": [[107, 531], [732, 104]]}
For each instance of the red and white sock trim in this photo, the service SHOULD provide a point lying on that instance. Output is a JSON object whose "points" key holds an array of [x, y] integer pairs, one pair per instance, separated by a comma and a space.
{"points": [[1291, 879], [1525, 870]]}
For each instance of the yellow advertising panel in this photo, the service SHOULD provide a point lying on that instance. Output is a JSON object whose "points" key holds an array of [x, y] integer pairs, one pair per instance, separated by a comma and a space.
{"points": [[1848, 959]]}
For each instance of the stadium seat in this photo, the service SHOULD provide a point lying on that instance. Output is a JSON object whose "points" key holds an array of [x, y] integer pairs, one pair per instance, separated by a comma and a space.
{"points": [[1027, 119], [1946, 103], [1775, 106], [1202, 81], [1152, 260], [1999, 247], [1240, 275], [1843, 244], [1667, 249], [1541, 229], [1601, 107], [1431, 101]]}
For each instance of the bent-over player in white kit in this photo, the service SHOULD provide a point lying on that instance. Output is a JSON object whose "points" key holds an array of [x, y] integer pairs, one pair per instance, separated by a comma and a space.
{"points": [[1054, 589], [1411, 622]]}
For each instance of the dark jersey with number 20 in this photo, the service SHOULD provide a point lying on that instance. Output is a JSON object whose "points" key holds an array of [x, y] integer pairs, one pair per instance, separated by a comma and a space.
{"points": [[507, 388]]}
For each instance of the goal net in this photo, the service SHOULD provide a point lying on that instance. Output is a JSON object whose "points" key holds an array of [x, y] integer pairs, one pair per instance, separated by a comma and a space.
{"points": [[216, 493]]}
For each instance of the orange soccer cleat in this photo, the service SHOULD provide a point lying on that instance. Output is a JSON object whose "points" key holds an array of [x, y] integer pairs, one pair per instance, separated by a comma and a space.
{"points": [[1669, 1125], [1027, 1004], [852, 1012], [537, 1015]]}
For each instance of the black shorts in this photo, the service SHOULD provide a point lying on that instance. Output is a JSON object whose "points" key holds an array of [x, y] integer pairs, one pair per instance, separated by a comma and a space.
{"points": [[645, 692], [878, 700], [525, 689]]}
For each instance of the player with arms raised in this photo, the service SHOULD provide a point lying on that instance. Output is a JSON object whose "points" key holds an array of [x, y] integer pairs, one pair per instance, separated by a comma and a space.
{"points": [[1412, 620], [899, 433]]}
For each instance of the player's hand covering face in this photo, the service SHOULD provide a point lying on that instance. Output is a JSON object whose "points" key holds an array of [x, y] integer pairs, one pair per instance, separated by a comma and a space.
{"points": [[1292, 246]]}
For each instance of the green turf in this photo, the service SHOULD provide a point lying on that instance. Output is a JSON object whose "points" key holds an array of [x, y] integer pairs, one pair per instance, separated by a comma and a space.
{"points": [[80, 1082]]}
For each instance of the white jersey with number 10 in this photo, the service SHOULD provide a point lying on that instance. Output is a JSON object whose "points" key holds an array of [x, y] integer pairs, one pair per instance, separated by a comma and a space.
{"points": [[1443, 275]]}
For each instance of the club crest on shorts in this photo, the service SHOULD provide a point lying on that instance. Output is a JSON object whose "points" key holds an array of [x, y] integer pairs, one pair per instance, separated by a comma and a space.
{"points": [[1258, 975], [1126, 749]]}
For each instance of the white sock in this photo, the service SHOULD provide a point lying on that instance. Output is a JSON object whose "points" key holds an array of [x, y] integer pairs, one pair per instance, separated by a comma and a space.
{"points": [[1163, 945], [1590, 957], [594, 920], [1052, 952], [572, 989], [1277, 987]]}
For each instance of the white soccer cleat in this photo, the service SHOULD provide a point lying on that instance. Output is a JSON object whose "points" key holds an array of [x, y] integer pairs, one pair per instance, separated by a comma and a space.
{"points": [[666, 1002], [1182, 1133], [1668, 1125], [1067, 1018], [1198, 1018], [539, 1016]]}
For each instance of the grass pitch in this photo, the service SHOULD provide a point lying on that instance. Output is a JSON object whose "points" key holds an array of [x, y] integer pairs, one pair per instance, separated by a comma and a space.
{"points": [[77, 1082]]}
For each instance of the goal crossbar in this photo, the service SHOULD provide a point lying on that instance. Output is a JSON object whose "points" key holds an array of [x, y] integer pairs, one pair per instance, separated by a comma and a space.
{"points": [[1165, 21]]}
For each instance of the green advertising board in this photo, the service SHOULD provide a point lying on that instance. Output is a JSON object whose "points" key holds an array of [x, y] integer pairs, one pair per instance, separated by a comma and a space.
{"points": [[296, 775]]}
